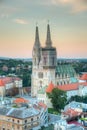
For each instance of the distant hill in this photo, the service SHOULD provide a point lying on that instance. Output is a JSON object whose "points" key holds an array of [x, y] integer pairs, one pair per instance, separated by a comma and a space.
{"points": [[23, 59], [72, 60], [4, 58], [59, 59]]}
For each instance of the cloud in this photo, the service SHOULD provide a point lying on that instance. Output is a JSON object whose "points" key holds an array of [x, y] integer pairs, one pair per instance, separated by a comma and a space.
{"points": [[2, 16], [21, 21], [76, 5]]}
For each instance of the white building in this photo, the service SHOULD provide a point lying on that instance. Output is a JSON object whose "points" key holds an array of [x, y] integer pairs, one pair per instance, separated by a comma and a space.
{"points": [[7, 83], [62, 125]]}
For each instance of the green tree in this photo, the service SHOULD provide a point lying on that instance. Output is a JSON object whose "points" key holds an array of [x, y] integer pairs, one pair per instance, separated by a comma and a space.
{"points": [[76, 98], [58, 99], [85, 99]]}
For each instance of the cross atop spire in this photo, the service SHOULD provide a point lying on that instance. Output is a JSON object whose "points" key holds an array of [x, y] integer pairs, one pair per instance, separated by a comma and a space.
{"points": [[48, 40]]}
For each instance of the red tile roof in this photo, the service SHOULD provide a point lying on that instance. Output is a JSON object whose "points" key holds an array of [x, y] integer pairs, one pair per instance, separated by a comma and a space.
{"points": [[42, 105], [1, 83], [66, 87], [69, 87], [20, 100], [83, 77], [72, 113], [8, 80], [50, 88]]}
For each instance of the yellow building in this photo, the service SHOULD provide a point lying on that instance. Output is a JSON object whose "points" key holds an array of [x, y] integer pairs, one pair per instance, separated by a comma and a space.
{"points": [[18, 118]]}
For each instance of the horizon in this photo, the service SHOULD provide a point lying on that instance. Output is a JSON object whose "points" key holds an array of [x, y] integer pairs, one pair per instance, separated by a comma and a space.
{"points": [[65, 58], [68, 24]]}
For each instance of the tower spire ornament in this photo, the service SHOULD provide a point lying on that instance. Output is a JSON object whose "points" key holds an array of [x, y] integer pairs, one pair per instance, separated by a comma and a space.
{"points": [[48, 39]]}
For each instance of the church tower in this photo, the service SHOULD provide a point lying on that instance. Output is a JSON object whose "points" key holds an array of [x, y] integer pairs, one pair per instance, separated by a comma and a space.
{"points": [[49, 55], [44, 63]]}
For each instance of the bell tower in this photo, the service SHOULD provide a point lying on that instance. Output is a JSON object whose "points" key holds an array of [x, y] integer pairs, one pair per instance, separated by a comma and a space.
{"points": [[49, 54], [44, 63]]}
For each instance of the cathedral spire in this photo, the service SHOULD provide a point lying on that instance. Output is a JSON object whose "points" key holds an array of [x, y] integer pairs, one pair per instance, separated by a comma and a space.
{"points": [[48, 40], [37, 41]]}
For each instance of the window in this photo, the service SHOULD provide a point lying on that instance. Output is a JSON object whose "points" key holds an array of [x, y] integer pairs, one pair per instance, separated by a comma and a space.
{"points": [[18, 127], [35, 61], [12, 126], [31, 119], [25, 126], [13, 120], [18, 121], [64, 82], [45, 60], [37, 117], [25, 121], [40, 75], [53, 61], [57, 83]]}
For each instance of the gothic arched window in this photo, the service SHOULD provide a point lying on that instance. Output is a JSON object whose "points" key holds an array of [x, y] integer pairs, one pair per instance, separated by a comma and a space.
{"points": [[53, 60], [35, 61], [45, 60]]}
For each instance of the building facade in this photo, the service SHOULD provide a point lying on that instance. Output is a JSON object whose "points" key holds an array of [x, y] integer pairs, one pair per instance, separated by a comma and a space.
{"points": [[45, 68], [18, 118], [7, 83]]}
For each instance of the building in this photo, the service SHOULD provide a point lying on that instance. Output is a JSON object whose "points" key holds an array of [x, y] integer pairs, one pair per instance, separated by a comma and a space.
{"points": [[62, 125], [73, 89], [22, 114], [45, 68], [7, 83], [18, 118]]}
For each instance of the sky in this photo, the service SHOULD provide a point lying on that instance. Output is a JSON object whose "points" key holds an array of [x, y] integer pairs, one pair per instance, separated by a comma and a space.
{"points": [[68, 24]]}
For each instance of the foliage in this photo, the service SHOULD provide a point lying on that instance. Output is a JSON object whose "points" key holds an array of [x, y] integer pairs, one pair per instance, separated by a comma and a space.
{"points": [[83, 119], [75, 98], [58, 99], [78, 99], [15, 106], [50, 127], [80, 66], [19, 68], [52, 111]]}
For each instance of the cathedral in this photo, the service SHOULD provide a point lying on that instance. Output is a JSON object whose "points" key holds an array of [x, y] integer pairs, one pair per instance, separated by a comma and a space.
{"points": [[45, 68]]}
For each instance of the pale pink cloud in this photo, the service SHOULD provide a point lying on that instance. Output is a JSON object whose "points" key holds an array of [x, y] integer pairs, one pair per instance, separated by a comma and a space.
{"points": [[76, 5], [20, 21]]}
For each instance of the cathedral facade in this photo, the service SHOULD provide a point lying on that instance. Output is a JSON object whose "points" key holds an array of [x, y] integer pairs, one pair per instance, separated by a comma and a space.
{"points": [[45, 68]]}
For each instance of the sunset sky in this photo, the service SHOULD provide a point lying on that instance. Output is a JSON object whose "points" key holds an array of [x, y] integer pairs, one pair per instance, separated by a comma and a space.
{"points": [[67, 19]]}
